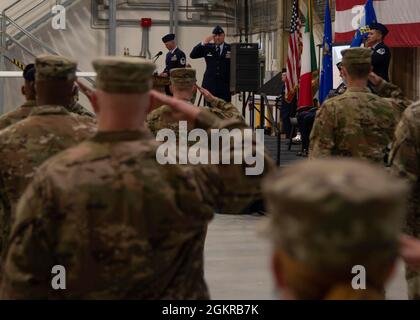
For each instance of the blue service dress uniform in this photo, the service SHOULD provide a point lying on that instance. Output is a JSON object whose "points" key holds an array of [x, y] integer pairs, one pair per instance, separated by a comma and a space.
{"points": [[217, 75], [381, 58], [176, 59]]}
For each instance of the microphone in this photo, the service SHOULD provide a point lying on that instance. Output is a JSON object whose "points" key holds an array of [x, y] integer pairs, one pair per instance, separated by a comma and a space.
{"points": [[157, 56]]}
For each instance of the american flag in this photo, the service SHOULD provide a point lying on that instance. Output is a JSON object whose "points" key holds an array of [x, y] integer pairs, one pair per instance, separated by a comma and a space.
{"points": [[401, 17], [294, 53]]}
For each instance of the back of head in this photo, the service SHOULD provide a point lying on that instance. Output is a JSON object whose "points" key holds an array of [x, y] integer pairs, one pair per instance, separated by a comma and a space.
{"points": [[124, 75], [28, 90], [121, 100], [358, 62], [183, 79], [327, 216], [55, 76], [29, 73]]}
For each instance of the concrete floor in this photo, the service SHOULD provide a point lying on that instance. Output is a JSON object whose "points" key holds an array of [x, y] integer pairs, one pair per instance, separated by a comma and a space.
{"points": [[237, 262]]}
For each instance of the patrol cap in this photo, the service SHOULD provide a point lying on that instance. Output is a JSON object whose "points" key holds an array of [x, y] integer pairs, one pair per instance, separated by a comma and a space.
{"points": [[379, 26], [356, 56], [50, 67], [168, 37], [29, 72], [218, 30], [333, 212], [183, 77], [124, 74]]}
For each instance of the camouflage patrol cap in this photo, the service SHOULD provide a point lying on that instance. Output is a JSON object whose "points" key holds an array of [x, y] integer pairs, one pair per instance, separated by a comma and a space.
{"points": [[124, 74], [330, 213], [50, 67], [183, 77], [356, 56]]}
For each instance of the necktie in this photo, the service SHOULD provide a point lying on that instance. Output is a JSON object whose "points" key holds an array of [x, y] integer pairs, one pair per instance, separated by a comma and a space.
{"points": [[218, 50]]}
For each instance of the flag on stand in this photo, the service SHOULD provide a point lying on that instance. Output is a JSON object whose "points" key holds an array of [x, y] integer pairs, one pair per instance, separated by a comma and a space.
{"points": [[327, 62], [368, 18], [309, 66], [294, 54]]}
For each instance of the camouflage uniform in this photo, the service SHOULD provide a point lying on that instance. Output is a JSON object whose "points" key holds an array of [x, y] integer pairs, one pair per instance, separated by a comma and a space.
{"points": [[332, 214], [77, 108], [161, 118], [160, 82], [356, 124], [17, 115], [27, 144], [124, 226], [405, 162]]}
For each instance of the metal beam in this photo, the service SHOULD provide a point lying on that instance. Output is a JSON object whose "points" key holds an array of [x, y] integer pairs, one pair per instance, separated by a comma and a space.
{"points": [[112, 36], [19, 74], [176, 17], [2, 60], [171, 16]]}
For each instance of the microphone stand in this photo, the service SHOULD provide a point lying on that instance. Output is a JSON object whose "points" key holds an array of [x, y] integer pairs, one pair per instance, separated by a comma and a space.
{"points": [[156, 58]]}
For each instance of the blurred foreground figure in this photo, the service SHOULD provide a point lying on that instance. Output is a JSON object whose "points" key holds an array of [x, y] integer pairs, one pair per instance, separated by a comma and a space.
{"points": [[405, 162], [123, 225], [49, 129], [28, 90], [328, 216]]}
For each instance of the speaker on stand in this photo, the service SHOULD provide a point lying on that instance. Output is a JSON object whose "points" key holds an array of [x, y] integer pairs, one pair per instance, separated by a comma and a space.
{"points": [[245, 74]]}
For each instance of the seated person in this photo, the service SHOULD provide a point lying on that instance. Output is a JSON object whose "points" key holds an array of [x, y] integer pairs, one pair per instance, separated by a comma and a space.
{"points": [[306, 120]]}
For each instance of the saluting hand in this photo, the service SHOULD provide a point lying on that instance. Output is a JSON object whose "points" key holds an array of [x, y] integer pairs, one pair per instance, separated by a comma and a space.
{"points": [[206, 94], [182, 110], [208, 39], [410, 251], [88, 92], [375, 79]]}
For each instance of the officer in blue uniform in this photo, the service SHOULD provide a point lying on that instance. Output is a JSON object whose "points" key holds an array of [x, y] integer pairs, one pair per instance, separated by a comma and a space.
{"points": [[217, 55], [381, 55], [175, 58]]}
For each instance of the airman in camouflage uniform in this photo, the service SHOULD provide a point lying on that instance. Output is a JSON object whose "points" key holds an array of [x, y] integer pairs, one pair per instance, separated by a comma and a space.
{"points": [[123, 226], [327, 216], [49, 129], [358, 123], [183, 81], [405, 162], [28, 90]]}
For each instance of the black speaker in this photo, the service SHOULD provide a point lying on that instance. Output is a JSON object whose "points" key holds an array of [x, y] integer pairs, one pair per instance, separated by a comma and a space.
{"points": [[244, 67]]}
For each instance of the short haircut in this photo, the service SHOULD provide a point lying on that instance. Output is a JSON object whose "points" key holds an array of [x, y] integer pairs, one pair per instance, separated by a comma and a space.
{"points": [[29, 72], [358, 71]]}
